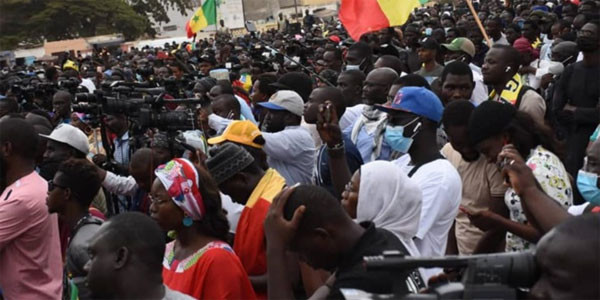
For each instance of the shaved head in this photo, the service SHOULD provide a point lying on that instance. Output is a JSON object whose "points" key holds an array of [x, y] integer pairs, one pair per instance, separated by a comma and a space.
{"points": [[387, 75], [378, 84]]}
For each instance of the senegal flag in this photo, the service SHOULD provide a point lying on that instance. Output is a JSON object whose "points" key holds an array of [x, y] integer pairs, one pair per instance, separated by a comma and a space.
{"points": [[204, 16], [362, 16]]}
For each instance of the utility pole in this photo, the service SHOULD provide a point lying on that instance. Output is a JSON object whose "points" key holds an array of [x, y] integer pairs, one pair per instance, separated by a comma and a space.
{"points": [[296, 8]]}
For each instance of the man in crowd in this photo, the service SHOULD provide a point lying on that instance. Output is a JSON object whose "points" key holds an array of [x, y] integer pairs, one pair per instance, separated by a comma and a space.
{"points": [[63, 143], [309, 221], [430, 69], [482, 183], [118, 124], [350, 83], [333, 59], [500, 71], [334, 109], [262, 89], [413, 118], [493, 27], [239, 176], [359, 57], [576, 96], [367, 131], [30, 253], [61, 106], [411, 38], [126, 256], [70, 194], [457, 83], [463, 50], [289, 147]]}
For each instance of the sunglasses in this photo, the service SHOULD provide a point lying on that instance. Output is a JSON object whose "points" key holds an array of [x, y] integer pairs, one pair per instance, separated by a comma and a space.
{"points": [[52, 186]]}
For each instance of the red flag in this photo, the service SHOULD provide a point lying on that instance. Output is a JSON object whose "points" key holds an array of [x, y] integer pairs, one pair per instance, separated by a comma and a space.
{"points": [[188, 30], [362, 16]]}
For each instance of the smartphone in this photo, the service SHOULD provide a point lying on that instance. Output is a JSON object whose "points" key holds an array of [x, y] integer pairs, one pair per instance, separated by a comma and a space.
{"points": [[327, 113]]}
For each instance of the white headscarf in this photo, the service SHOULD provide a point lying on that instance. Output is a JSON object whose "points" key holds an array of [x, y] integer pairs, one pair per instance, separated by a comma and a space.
{"points": [[391, 200]]}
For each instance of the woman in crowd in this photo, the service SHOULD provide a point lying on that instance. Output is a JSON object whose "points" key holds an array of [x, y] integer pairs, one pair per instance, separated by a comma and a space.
{"points": [[492, 126], [186, 202], [381, 193]]}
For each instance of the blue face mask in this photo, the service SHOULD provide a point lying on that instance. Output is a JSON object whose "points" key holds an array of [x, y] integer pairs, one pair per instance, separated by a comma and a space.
{"points": [[588, 186], [394, 137]]}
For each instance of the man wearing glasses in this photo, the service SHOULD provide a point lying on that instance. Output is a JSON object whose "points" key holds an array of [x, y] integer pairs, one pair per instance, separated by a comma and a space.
{"points": [[70, 194]]}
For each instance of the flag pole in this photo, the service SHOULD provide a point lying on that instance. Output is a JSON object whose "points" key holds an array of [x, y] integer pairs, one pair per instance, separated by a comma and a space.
{"points": [[216, 19], [485, 36]]}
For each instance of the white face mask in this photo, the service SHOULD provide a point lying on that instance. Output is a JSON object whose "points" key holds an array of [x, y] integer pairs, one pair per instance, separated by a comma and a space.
{"points": [[352, 67], [355, 67]]}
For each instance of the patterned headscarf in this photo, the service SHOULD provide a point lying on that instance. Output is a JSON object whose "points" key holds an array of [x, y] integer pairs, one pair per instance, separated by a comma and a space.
{"points": [[181, 180]]}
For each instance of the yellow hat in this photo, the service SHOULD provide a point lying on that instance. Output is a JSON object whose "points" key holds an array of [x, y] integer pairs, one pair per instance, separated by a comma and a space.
{"points": [[241, 132], [70, 65]]}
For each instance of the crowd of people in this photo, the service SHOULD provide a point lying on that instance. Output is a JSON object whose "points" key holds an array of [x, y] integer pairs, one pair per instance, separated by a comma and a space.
{"points": [[301, 152]]}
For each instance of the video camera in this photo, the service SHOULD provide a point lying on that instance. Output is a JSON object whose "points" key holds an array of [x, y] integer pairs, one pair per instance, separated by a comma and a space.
{"points": [[494, 276], [146, 112]]}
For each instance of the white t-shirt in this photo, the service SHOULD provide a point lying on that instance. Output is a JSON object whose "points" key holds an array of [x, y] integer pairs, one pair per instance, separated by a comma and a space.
{"points": [[89, 84], [442, 191]]}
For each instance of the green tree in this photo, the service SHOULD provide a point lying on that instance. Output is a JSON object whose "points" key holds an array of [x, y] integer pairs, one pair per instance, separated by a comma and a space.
{"points": [[32, 21]]}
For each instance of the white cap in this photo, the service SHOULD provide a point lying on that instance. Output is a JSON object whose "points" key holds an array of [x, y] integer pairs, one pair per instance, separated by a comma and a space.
{"points": [[285, 100], [70, 135]]}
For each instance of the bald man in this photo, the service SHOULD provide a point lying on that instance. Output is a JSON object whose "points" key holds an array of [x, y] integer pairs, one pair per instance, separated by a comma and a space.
{"points": [[367, 131]]}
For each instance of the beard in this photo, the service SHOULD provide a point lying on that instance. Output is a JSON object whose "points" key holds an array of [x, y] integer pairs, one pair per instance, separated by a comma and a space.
{"points": [[48, 169], [587, 44]]}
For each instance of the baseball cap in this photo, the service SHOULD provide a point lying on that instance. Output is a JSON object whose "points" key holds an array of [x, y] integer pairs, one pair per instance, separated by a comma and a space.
{"points": [[241, 132], [416, 100], [69, 64], [68, 134], [429, 43], [285, 100], [461, 44]]}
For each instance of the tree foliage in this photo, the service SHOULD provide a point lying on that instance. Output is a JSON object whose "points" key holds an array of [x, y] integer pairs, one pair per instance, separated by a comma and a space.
{"points": [[32, 21]]}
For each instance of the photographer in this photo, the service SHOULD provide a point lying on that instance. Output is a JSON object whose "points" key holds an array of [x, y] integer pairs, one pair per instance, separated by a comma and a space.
{"points": [[137, 185], [61, 107]]}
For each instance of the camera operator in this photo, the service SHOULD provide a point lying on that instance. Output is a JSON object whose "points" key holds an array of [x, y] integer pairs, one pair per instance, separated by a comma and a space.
{"points": [[61, 107], [117, 123], [71, 70], [137, 185]]}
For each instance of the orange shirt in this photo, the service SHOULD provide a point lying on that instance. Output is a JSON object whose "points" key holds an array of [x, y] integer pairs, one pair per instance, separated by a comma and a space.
{"points": [[213, 272]]}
